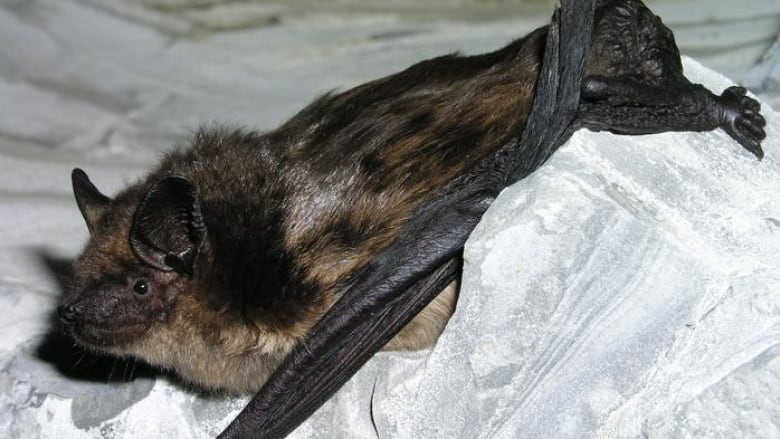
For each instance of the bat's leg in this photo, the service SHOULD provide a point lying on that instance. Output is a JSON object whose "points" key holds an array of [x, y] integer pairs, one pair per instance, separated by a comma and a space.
{"points": [[625, 106], [634, 83]]}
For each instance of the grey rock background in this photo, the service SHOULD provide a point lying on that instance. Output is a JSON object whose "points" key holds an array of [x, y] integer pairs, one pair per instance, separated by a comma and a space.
{"points": [[630, 280], [640, 276]]}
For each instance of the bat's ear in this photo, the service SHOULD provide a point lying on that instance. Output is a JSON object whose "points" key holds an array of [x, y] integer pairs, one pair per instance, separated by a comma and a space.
{"points": [[91, 202], [168, 228]]}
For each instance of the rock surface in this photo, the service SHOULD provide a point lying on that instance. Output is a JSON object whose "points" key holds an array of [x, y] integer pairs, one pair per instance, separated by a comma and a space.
{"points": [[626, 289]]}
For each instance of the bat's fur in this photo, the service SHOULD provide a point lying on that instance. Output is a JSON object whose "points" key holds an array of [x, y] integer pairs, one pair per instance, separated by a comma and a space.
{"points": [[290, 215], [223, 258]]}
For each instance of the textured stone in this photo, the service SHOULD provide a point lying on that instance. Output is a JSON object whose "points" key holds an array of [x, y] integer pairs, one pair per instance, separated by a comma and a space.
{"points": [[627, 289]]}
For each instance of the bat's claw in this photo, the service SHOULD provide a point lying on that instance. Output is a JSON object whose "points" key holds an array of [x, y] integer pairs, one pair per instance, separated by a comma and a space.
{"points": [[738, 115]]}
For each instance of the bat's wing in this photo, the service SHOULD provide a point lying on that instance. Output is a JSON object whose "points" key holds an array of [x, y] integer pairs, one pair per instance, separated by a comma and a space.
{"points": [[406, 276]]}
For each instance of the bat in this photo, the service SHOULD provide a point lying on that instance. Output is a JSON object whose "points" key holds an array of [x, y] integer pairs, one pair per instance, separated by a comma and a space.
{"points": [[278, 263]]}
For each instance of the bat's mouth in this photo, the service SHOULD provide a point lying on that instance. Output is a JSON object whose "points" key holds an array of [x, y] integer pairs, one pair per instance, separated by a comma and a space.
{"points": [[101, 336]]}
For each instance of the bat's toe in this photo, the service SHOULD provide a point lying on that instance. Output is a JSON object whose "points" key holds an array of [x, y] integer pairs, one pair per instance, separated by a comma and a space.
{"points": [[740, 117]]}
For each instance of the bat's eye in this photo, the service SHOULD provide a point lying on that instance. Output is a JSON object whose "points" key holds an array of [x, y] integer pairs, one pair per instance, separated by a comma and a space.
{"points": [[141, 287]]}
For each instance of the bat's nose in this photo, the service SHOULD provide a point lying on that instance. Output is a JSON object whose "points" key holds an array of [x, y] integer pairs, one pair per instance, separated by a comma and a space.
{"points": [[68, 313]]}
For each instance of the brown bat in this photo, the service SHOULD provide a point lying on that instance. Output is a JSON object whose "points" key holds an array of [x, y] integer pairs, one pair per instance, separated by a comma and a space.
{"points": [[331, 237]]}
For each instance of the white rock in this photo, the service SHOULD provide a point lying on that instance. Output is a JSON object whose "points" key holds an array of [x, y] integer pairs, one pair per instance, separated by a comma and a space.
{"points": [[627, 288]]}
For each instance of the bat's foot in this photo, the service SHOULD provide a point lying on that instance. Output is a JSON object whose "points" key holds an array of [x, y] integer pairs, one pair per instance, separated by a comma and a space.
{"points": [[738, 115], [634, 84], [626, 106]]}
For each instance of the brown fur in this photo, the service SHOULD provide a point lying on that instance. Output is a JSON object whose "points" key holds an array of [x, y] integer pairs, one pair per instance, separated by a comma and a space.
{"points": [[239, 359], [245, 240]]}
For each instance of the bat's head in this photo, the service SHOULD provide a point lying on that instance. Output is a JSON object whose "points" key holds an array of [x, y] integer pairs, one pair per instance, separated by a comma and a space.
{"points": [[141, 253]]}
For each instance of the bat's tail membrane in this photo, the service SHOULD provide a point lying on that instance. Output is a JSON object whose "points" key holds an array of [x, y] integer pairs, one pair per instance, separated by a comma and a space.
{"points": [[407, 275]]}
